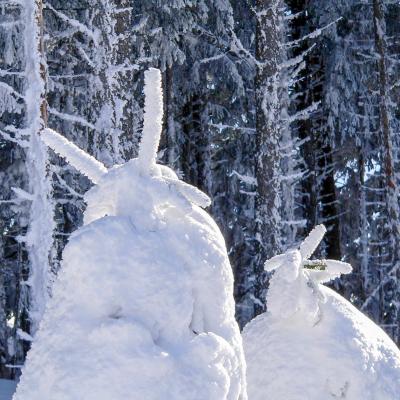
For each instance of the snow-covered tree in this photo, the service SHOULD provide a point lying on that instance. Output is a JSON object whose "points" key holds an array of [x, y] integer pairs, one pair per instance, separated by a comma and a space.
{"points": [[270, 102], [278, 168], [312, 343], [359, 79], [24, 109], [145, 293]]}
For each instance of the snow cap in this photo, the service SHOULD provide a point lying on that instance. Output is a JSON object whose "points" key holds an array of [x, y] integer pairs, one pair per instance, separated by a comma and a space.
{"points": [[153, 117]]}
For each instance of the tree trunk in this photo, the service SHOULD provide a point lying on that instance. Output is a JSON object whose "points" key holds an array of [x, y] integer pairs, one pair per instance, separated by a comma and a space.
{"points": [[268, 128]]}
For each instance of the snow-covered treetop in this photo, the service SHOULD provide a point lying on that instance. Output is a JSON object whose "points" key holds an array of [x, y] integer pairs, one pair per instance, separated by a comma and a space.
{"points": [[137, 175], [294, 285]]}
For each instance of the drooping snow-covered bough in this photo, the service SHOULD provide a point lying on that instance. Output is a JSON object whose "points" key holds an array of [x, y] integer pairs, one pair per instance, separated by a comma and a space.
{"points": [[143, 307]]}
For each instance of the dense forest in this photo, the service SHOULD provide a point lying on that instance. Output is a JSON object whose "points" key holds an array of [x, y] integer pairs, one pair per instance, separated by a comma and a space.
{"points": [[286, 113]]}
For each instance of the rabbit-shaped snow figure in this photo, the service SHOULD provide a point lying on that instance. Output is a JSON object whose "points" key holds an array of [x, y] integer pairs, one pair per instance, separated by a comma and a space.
{"points": [[143, 307], [312, 343], [294, 286]]}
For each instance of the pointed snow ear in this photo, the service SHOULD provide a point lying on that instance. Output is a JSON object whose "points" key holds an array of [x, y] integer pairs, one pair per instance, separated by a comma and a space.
{"points": [[153, 118], [83, 162], [312, 241], [191, 193], [337, 268], [275, 262], [332, 269]]}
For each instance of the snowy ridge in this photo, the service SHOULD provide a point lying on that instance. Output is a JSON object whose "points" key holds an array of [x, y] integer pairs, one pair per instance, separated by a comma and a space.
{"points": [[153, 116], [82, 161]]}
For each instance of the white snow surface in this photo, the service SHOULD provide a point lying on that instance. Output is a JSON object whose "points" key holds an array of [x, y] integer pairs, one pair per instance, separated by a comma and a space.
{"points": [[143, 306], [312, 343]]}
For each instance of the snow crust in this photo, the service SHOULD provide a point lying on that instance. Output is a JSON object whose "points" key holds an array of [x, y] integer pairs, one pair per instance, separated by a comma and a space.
{"points": [[312, 343], [143, 306]]}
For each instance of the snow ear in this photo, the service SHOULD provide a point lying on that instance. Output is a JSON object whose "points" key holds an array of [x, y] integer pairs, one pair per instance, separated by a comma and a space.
{"points": [[332, 269], [312, 241], [83, 162], [337, 268], [191, 193], [275, 262], [153, 117]]}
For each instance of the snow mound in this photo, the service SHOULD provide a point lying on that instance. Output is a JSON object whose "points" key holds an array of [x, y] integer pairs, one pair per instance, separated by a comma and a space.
{"points": [[312, 343], [143, 307]]}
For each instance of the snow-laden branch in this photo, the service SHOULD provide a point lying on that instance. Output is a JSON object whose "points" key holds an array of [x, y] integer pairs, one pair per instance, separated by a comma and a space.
{"points": [[67, 187], [391, 275], [11, 73], [72, 118], [153, 116], [221, 127], [313, 34], [249, 180], [303, 114], [74, 23], [11, 90], [20, 142], [82, 161]]}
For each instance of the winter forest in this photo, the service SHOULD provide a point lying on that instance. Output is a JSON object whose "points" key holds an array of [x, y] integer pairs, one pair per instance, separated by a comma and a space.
{"points": [[285, 113]]}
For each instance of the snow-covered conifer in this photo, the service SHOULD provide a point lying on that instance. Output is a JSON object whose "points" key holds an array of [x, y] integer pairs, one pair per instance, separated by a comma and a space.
{"points": [[312, 343], [143, 307]]}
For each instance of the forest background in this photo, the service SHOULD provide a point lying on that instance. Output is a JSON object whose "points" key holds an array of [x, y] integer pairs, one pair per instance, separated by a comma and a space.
{"points": [[285, 112]]}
